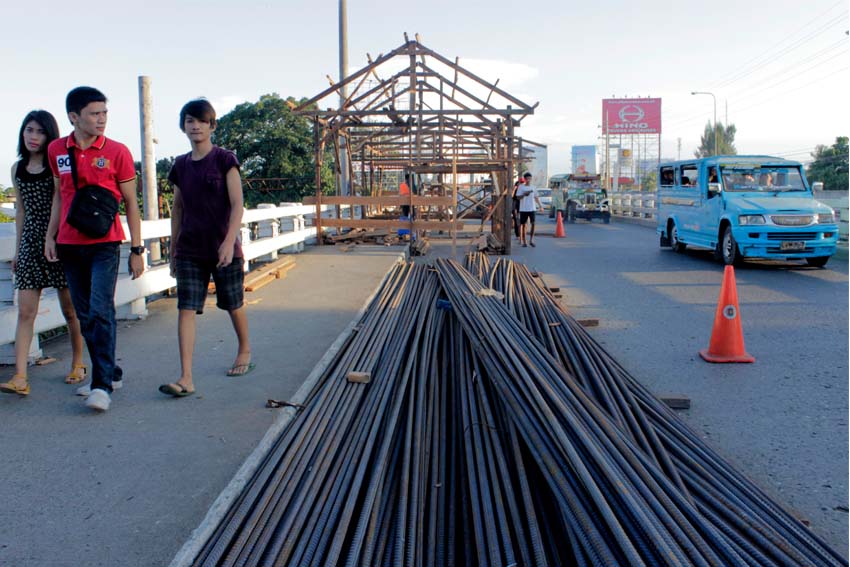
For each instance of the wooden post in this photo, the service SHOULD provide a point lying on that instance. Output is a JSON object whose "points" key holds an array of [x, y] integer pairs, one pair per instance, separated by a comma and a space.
{"points": [[318, 149], [509, 182], [454, 207]]}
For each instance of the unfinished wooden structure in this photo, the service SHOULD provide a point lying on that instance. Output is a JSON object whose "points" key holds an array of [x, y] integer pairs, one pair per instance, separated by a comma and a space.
{"points": [[413, 111]]}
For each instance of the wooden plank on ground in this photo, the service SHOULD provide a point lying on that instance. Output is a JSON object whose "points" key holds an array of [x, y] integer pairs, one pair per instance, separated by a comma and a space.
{"points": [[389, 224], [676, 401], [358, 377], [259, 281]]}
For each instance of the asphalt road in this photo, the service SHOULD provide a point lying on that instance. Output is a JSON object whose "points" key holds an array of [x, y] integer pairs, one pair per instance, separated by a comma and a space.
{"points": [[783, 420]]}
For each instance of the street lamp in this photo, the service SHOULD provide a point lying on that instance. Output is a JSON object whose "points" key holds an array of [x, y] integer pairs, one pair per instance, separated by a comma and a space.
{"points": [[715, 115]]}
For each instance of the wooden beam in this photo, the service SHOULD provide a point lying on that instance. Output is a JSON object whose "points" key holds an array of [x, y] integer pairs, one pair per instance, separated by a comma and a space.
{"points": [[390, 224], [385, 200]]}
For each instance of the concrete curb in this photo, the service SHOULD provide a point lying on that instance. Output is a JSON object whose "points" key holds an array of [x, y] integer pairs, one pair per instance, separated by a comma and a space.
{"points": [[187, 554], [648, 223]]}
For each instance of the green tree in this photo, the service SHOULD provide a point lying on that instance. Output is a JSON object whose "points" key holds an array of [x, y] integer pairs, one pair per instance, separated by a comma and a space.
{"points": [[649, 181], [725, 141], [272, 142], [830, 165], [163, 167]]}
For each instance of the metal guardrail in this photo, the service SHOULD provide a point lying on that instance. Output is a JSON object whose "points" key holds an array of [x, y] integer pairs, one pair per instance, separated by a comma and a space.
{"points": [[278, 228]]}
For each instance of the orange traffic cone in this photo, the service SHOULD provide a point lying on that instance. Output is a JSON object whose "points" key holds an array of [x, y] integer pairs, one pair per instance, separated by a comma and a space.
{"points": [[559, 227], [727, 338]]}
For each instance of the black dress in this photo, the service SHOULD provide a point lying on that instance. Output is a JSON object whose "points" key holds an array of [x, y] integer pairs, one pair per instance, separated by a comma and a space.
{"points": [[35, 194]]}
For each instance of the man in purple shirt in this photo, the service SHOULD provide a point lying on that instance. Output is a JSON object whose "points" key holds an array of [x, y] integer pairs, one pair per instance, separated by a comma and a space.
{"points": [[206, 219]]}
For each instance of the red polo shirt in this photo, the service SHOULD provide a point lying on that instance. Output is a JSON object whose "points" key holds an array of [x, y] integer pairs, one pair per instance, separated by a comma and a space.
{"points": [[106, 163]]}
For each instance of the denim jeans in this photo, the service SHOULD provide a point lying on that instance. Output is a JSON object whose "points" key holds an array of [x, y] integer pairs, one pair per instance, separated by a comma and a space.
{"points": [[92, 272]]}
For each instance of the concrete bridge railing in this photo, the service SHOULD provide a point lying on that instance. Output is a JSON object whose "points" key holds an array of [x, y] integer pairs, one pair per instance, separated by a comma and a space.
{"points": [[267, 230]]}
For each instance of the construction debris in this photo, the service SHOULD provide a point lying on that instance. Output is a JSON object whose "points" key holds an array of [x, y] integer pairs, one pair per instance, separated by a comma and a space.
{"points": [[364, 236], [420, 247], [488, 244]]}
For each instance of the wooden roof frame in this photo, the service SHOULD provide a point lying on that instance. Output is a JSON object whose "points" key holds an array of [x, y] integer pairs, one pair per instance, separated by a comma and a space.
{"points": [[422, 121]]}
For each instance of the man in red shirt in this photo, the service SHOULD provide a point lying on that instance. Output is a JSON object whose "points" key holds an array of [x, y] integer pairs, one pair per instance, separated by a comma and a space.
{"points": [[90, 263]]}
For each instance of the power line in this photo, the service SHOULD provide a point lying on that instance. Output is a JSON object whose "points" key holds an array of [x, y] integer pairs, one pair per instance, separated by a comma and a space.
{"points": [[811, 57], [756, 60], [805, 86], [793, 77], [771, 86]]}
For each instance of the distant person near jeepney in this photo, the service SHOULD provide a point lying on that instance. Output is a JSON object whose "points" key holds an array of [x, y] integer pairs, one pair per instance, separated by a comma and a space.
{"points": [[515, 206], [528, 205], [206, 220], [404, 191], [33, 184]]}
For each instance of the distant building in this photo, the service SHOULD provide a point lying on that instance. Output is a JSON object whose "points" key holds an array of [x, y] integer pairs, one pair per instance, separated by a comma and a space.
{"points": [[584, 160]]}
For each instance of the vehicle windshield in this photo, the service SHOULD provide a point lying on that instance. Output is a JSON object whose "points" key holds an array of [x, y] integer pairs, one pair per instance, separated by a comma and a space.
{"points": [[745, 177], [544, 192]]}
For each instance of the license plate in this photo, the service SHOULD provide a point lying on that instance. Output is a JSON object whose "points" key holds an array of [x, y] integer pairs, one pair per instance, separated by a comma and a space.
{"points": [[792, 246]]}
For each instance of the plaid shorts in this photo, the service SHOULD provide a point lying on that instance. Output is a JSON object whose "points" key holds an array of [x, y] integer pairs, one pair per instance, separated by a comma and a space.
{"points": [[193, 279]]}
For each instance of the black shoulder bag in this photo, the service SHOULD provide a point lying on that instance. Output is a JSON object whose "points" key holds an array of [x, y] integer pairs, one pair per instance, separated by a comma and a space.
{"points": [[94, 207]]}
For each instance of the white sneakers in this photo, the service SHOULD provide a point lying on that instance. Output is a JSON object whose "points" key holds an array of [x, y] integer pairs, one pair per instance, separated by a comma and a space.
{"points": [[98, 400], [85, 390]]}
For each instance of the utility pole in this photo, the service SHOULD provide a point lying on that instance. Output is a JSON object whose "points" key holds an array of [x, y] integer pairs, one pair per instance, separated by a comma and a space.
{"points": [[149, 186], [607, 155], [343, 95]]}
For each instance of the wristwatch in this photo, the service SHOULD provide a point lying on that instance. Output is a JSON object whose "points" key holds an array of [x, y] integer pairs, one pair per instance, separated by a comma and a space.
{"points": [[137, 250]]}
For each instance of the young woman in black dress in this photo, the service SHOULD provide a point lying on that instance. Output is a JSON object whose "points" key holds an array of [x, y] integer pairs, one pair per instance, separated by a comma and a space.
{"points": [[33, 182]]}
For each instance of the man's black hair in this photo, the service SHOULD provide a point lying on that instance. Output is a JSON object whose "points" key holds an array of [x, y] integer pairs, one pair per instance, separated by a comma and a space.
{"points": [[526, 175], [81, 97], [51, 129], [199, 109]]}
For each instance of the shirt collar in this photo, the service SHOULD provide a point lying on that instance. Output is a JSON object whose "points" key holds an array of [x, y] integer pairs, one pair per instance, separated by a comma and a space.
{"points": [[72, 141]]}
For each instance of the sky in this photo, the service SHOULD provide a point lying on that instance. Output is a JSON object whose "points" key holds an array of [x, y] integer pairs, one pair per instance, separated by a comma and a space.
{"points": [[778, 68]]}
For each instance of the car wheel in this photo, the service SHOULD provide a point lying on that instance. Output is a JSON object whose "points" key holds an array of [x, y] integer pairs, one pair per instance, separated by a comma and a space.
{"points": [[675, 244], [817, 261], [729, 248], [571, 213]]}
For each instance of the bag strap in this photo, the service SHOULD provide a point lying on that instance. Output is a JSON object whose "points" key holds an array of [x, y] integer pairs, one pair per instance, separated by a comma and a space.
{"points": [[73, 159]]}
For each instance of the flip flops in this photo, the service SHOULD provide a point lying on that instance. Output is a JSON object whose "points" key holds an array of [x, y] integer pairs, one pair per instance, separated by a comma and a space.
{"points": [[11, 388], [241, 369], [75, 377], [176, 390]]}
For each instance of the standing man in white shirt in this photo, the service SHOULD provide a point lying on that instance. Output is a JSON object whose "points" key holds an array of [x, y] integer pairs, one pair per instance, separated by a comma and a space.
{"points": [[528, 204]]}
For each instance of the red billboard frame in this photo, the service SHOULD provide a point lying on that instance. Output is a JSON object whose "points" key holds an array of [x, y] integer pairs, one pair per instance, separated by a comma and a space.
{"points": [[631, 115]]}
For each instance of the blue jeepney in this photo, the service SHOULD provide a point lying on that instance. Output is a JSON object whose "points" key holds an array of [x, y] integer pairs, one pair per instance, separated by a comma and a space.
{"points": [[744, 207]]}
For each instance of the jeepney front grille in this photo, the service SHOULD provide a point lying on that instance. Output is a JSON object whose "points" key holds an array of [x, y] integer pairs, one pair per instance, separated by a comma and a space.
{"points": [[792, 220], [793, 236]]}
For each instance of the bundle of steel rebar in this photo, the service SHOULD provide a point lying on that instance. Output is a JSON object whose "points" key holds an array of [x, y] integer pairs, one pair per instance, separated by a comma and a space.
{"points": [[493, 431], [763, 531]]}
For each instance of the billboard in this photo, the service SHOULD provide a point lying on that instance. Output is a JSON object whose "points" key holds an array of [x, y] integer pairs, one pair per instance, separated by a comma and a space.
{"points": [[631, 115], [584, 160], [536, 158]]}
